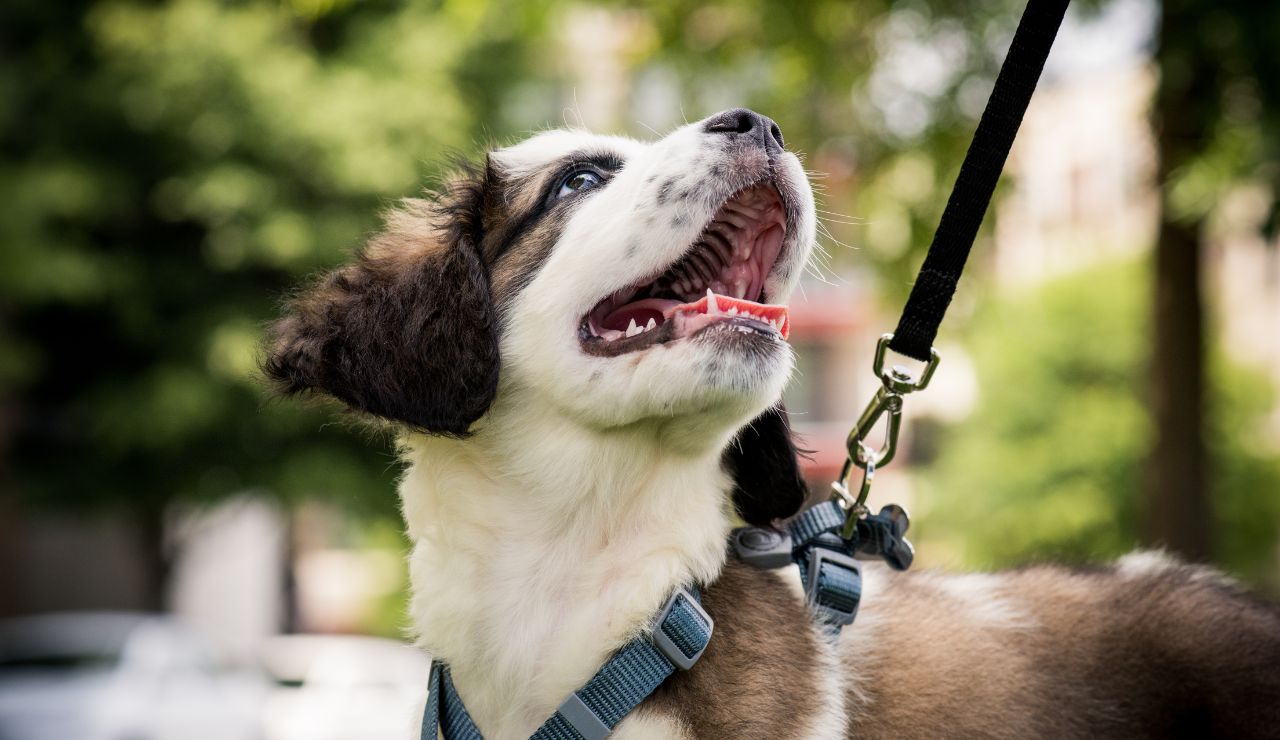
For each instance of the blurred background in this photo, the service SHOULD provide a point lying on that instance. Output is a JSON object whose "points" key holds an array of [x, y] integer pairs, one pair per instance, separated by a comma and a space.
{"points": [[182, 556]]}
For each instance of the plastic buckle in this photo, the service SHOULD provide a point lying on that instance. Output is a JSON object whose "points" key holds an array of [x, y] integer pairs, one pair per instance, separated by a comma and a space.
{"points": [[666, 645], [762, 547], [587, 723], [819, 556]]}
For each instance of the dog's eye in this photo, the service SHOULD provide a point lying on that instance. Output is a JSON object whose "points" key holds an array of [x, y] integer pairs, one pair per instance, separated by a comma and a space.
{"points": [[578, 180]]}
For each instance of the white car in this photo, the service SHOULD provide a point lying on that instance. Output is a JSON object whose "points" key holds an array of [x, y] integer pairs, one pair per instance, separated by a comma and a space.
{"points": [[118, 676], [336, 687]]}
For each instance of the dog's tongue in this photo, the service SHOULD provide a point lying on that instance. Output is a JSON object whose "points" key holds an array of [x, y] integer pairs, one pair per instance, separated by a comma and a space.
{"points": [[713, 305]]}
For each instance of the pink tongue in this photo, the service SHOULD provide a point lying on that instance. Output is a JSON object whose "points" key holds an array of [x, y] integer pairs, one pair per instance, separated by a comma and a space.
{"points": [[639, 311]]}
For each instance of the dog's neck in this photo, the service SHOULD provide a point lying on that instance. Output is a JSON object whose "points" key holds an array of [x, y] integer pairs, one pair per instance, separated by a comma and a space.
{"points": [[541, 545]]}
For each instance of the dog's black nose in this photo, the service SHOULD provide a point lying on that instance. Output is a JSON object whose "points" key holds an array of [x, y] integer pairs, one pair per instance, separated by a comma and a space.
{"points": [[747, 122]]}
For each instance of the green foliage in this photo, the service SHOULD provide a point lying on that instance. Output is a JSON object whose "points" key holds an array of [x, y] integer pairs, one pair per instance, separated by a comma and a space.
{"points": [[167, 172], [1050, 465]]}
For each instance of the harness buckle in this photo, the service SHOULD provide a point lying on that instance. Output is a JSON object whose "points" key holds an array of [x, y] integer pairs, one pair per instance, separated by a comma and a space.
{"points": [[689, 622], [762, 547], [836, 604]]}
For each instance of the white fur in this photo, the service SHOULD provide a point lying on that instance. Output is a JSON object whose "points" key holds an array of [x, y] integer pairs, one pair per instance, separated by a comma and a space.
{"points": [[982, 599], [592, 487]]}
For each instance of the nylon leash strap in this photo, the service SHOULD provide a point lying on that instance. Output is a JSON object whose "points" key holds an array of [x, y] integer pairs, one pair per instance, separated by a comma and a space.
{"points": [[976, 182], [940, 273]]}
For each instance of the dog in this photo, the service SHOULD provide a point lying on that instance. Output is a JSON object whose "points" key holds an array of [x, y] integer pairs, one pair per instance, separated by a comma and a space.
{"points": [[580, 343]]}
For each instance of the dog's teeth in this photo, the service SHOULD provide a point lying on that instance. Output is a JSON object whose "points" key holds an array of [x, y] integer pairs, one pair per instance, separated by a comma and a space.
{"points": [[712, 308], [652, 324], [632, 329], [733, 311]]}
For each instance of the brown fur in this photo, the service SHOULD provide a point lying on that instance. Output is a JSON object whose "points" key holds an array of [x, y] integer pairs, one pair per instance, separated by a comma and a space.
{"points": [[1175, 652], [759, 672], [383, 334]]}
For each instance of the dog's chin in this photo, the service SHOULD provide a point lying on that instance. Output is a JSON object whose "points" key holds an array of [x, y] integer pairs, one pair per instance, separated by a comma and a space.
{"points": [[692, 392]]}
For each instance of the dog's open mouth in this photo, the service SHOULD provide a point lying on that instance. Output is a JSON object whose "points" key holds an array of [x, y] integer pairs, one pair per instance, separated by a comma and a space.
{"points": [[717, 285]]}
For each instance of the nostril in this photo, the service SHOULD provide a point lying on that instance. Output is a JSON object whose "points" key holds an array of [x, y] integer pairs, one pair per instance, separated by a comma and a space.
{"points": [[738, 121], [748, 122]]}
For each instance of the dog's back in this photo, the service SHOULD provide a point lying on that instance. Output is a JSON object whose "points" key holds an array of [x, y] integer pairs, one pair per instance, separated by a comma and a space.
{"points": [[1148, 648]]}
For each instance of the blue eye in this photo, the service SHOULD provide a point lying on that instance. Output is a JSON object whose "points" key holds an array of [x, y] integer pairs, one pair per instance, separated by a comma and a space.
{"points": [[578, 180]]}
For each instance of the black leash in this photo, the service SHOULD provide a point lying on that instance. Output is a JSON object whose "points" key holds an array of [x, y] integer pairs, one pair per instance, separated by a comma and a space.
{"points": [[972, 191], [824, 538], [945, 260]]}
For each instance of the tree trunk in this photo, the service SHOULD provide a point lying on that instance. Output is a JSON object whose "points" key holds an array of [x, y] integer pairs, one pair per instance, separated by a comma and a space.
{"points": [[155, 555], [1178, 513]]}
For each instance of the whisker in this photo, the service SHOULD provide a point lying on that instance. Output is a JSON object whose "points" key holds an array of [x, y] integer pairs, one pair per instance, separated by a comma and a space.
{"points": [[834, 220]]}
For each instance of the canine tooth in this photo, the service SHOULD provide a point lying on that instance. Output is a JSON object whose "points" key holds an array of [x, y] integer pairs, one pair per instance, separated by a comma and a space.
{"points": [[632, 329], [652, 323], [733, 311], [712, 308]]}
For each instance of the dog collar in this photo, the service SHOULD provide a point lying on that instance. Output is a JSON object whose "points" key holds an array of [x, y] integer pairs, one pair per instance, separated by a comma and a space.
{"points": [[679, 636]]}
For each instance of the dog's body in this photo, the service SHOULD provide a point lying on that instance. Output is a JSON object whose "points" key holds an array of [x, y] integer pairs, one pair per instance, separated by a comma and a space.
{"points": [[556, 497]]}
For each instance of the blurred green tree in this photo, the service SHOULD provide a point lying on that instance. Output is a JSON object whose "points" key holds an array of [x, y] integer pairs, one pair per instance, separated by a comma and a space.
{"points": [[1217, 120], [167, 171], [1062, 375]]}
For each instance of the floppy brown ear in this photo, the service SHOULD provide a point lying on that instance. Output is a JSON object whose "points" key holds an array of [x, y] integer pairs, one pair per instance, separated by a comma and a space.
{"points": [[763, 460], [408, 331]]}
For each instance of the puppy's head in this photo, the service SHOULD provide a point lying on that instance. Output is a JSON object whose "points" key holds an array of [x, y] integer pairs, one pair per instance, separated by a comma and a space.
{"points": [[622, 284]]}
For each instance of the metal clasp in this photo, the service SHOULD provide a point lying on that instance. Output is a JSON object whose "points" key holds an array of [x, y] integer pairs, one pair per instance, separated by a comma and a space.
{"points": [[895, 383]]}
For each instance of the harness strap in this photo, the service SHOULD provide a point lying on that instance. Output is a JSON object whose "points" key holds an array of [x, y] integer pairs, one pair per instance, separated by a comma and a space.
{"points": [[816, 520], [832, 579], [681, 633], [976, 182]]}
